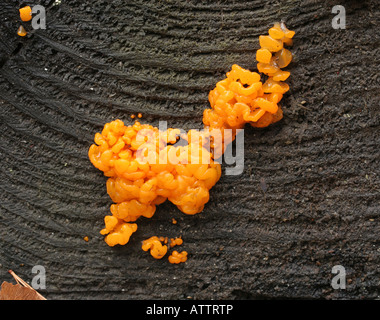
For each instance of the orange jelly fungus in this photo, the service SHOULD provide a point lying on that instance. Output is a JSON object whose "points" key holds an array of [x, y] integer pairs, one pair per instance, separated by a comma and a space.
{"points": [[154, 244], [116, 231], [175, 242], [136, 187], [242, 98], [177, 257], [26, 13], [21, 31]]}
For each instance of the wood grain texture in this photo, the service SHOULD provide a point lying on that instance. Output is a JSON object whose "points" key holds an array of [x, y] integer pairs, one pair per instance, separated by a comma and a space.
{"points": [[102, 60]]}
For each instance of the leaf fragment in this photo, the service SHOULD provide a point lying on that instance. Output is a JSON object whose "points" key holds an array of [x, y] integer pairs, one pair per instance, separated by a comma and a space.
{"points": [[19, 291]]}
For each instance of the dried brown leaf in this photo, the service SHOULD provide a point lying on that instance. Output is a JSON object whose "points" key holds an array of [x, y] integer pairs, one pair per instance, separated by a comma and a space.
{"points": [[19, 291], [11, 291]]}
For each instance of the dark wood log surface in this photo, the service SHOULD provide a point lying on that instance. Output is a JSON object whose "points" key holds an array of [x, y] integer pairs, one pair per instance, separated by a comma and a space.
{"points": [[308, 198]]}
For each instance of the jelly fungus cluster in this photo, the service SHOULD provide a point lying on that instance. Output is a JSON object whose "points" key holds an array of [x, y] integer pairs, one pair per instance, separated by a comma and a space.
{"points": [[184, 174], [181, 174], [158, 248], [241, 97]]}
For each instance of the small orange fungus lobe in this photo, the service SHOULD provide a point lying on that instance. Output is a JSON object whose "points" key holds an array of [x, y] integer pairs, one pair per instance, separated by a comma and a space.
{"points": [[266, 105], [140, 115], [164, 239], [177, 257], [85, 238], [26, 13], [281, 75], [276, 32], [272, 86], [263, 55], [175, 242], [273, 45], [21, 31], [268, 68], [283, 58], [117, 231], [157, 250], [174, 221]]}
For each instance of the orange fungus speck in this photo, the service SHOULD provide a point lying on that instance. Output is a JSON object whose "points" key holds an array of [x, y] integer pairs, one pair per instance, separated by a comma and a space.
{"points": [[21, 31], [175, 242], [26, 13]]}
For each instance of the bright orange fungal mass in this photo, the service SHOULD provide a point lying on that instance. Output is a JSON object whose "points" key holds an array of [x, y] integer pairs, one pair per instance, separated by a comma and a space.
{"points": [[190, 171]]}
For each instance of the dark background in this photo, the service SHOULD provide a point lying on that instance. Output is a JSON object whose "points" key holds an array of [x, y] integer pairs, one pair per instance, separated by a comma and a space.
{"points": [[308, 198]]}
